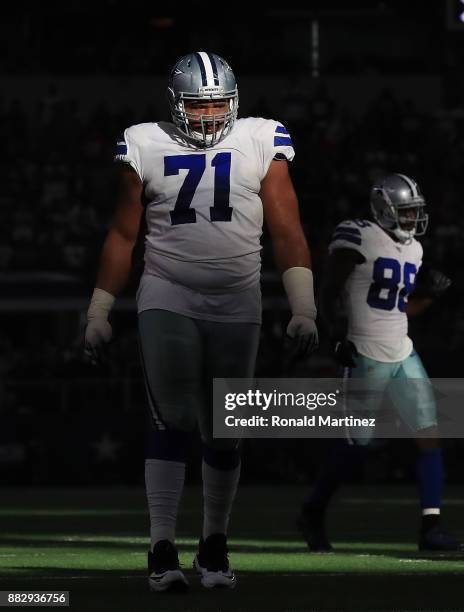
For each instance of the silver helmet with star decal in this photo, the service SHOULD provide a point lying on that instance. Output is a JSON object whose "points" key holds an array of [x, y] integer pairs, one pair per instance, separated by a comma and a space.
{"points": [[203, 77]]}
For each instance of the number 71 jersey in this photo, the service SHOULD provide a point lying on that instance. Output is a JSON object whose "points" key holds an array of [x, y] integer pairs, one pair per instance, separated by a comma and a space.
{"points": [[376, 293], [204, 214]]}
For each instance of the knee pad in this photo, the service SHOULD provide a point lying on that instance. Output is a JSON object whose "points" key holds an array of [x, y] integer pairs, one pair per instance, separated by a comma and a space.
{"points": [[167, 445], [221, 459]]}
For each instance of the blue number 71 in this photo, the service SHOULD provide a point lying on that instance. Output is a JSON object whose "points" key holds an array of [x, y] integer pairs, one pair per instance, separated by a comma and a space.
{"points": [[196, 164]]}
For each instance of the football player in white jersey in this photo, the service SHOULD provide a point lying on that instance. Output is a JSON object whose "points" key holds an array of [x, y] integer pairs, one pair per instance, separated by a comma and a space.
{"points": [[371, 272], [204, 183]]}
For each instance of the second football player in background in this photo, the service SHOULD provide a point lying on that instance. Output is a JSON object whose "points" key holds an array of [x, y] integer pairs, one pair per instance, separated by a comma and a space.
{"points": [[371, 272]]}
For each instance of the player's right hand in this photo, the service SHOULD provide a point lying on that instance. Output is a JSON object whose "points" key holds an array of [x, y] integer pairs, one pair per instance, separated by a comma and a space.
{"points": [[345, 352], [97, 335]]}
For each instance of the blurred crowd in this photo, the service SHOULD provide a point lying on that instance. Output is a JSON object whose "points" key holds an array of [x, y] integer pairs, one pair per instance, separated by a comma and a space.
{"points": [[111, 38]]}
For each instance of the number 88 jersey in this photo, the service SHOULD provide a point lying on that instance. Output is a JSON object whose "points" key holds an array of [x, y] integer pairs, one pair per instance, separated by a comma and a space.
{"points": [[376, 293]]}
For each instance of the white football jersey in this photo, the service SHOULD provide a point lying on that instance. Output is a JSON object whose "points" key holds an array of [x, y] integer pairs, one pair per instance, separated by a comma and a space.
{"points": [[376, 293], [204, 216]]}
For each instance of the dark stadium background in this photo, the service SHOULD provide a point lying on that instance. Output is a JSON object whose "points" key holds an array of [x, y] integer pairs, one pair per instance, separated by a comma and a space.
{"points": [[364, 88]]}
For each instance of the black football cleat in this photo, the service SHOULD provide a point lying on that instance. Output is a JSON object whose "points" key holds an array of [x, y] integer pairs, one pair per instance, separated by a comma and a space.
{"points": [[164, 573], [212, 563], [311, 524], [438, 539]]}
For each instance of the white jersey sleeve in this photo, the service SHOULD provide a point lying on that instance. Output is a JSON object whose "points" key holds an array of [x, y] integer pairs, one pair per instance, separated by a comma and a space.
{"points": [[128, 151], [352, 235], [274, 142], [419, 254]]}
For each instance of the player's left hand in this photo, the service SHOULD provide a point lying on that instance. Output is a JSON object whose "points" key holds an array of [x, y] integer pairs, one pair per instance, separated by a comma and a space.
{"points": [[98, 334], [438, 283], [345, 353], [303, 332]]}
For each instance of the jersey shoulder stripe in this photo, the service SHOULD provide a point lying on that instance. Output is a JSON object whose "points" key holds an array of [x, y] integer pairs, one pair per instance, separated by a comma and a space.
{"points": [[284, 140], [346, 232], [274, 139], [281, 141], [121, 145], [348, 237], [349, 234]]}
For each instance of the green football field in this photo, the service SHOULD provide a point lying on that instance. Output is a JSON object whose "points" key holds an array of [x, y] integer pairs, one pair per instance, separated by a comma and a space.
{"points": [[93, 543]]}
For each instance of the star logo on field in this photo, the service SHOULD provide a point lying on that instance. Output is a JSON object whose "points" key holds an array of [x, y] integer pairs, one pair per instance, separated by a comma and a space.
{"points": [[106, 449]]}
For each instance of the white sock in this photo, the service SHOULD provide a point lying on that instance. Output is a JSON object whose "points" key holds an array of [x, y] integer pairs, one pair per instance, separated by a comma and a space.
{"points": [[219, 488], [164, 482]]}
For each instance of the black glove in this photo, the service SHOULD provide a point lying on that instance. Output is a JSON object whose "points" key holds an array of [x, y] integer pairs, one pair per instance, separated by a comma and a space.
{"points": [[345, 352], [437, 283]]}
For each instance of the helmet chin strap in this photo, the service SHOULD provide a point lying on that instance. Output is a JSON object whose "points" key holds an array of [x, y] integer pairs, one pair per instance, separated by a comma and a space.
{"points": [[404, 236]]}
